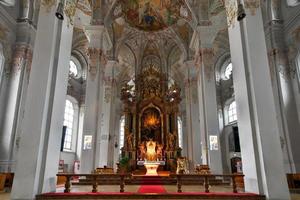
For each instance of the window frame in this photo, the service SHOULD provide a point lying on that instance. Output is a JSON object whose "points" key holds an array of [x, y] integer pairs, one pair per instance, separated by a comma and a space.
{"points": [[122, 133], [78, 67], [180, 131], [226, 112], [232, 113], [75, 125]]}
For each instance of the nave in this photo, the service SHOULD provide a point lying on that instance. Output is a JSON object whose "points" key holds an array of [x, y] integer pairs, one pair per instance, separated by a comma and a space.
{"points": [[187, 92]]}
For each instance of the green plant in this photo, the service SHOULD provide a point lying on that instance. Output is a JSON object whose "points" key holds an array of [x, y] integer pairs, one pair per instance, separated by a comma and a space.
{"points": [[124, 162]]}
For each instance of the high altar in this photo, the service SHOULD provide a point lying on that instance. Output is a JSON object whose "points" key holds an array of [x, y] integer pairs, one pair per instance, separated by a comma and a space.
{"points": [[151, 130]]}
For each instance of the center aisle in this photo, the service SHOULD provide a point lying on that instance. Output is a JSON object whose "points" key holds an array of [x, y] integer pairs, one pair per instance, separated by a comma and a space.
{"points": [[157, 189]]}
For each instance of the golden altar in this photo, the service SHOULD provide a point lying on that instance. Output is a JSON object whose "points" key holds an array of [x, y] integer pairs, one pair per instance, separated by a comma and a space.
{"points": [[151, 129]]}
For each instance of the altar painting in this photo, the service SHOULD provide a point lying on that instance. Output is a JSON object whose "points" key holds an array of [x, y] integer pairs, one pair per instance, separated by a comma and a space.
{"points": [[151, 125]]}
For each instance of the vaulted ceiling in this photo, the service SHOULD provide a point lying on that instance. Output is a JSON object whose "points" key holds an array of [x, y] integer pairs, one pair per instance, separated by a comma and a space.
{"points": [[149, 31]]}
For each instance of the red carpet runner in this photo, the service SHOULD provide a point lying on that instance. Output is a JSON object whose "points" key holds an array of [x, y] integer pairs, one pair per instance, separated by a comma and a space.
{"points": [[157, 189]]}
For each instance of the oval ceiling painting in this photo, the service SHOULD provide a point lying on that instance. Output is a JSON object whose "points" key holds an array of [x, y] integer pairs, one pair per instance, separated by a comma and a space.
{"points": [[154, 15]]}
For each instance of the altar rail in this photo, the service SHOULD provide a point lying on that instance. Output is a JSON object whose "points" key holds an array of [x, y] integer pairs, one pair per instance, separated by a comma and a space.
{"points": [[95, 179], [180, 178], [206, 177]]}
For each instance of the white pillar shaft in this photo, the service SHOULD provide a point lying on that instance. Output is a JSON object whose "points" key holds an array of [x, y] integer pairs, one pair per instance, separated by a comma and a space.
{"points": [[259, 136], [15, 105], [90, 128], [208, 108], [38, 155]]}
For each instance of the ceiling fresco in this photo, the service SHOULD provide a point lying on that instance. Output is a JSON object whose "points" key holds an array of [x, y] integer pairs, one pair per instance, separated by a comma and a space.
{"points": [[153, 15]]}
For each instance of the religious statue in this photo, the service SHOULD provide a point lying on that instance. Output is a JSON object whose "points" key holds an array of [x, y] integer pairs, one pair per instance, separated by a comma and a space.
{"points": [[171, 141], [182, 166], [142, 152], [151, 154], [159, 151], [129, 140]]}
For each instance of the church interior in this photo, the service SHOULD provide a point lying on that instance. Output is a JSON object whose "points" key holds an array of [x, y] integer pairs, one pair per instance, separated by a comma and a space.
{"points": [[150, 99]]}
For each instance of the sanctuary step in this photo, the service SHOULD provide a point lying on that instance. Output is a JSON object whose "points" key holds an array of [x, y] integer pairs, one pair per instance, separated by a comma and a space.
{"points": [[153, 180], [182, 196]]}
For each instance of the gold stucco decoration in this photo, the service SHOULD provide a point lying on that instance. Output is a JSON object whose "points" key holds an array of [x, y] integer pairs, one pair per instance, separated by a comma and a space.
{"points": [[48, 4], [252, 5], [70, 10], [231, 12]]}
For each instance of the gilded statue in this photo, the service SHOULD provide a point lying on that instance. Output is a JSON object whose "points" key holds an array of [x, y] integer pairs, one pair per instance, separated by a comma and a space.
{"points": [[129, 140], [151, 154], [171, 141], [159, 151], [182, 166], [142, 153]]}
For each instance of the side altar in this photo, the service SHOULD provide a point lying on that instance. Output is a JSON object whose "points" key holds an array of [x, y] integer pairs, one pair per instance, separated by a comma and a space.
{"points": [[151, 107]]}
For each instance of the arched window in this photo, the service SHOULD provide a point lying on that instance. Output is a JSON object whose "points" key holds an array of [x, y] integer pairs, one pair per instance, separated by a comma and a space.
{"points": [[180, 133], [122, 132], [73, 68], [228, 71], [232, 116], [68, 122]]}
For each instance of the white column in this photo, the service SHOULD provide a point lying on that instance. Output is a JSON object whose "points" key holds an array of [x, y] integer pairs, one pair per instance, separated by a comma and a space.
{"points": [[106, 114], [38, 156], [16, 96], [258, 126], [192, 111], [98, 43], [208, 111]]}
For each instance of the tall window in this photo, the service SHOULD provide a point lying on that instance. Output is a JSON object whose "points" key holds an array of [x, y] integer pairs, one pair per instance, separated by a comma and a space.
{"points": [[68, 122], [180, 133], [122, 132], [73, 68], [228, 71], [232, 116]]}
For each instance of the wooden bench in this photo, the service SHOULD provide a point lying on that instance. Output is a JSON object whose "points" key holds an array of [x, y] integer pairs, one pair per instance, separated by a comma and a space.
{"points": [[293, 181], [2, 182]]}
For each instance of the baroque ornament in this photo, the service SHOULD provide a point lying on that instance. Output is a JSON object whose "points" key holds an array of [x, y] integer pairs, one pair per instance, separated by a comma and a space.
{"points": [[70, 10], [252, 5], [48, 4], [94, 55], [22, 55], [231, 7]]}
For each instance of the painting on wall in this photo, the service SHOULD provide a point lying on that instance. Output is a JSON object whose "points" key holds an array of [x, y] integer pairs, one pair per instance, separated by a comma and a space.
{"points": [[213, 143], [87, 142], [154, 15]]}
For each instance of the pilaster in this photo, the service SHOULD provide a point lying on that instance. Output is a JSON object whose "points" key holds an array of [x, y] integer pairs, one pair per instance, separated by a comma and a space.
{"points": [[256, 112], [194, 135], [99, 43], [17, 91], [39, 144], [208, 109]]}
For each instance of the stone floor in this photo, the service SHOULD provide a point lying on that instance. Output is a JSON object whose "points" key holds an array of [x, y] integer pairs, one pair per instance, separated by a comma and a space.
{"points": [[134, 188]]}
